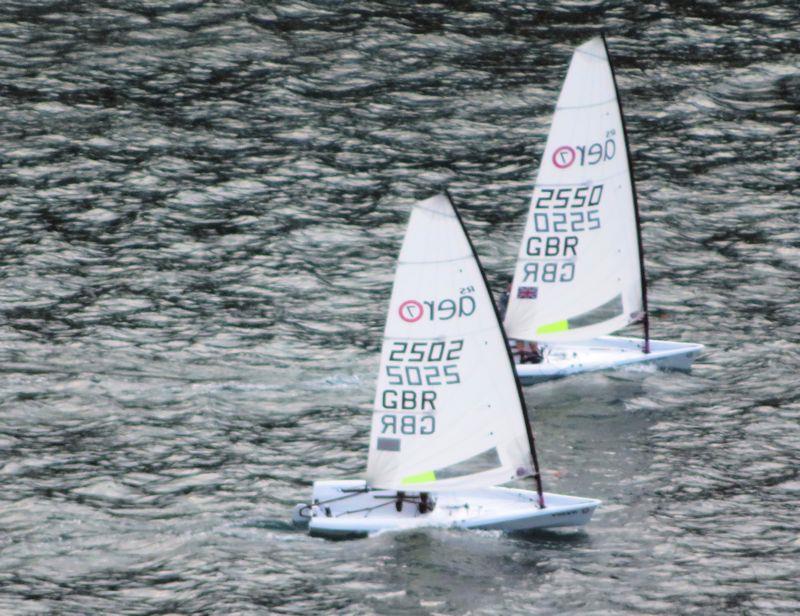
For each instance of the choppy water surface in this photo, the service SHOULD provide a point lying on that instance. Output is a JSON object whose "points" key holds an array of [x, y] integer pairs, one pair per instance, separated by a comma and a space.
{"points": [[202, 204]]}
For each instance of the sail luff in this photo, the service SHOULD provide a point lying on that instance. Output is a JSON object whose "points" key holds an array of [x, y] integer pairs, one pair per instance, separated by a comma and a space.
{"points": [[646, 314], [528, 429]]}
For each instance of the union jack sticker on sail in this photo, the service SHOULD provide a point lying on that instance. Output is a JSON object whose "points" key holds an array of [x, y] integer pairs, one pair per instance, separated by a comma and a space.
{"points": [[527, 292]]}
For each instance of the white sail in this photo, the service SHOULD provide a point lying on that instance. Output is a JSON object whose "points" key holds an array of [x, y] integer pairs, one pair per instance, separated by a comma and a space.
{"points": [[447, 410], [577, 275]]}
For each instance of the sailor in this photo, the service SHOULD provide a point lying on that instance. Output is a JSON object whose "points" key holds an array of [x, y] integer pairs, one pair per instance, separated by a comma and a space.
{"points": [[425, 504], [528, 352]]}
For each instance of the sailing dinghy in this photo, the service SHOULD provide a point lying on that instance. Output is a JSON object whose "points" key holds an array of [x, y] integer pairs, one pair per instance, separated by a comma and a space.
{"points": [[579, 275], [449, 423]]}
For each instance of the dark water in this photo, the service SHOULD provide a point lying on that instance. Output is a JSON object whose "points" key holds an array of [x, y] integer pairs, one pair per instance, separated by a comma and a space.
{"points": [[201, 207]]}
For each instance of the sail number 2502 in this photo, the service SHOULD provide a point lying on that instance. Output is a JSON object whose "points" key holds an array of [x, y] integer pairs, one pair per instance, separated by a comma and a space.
{"points": [[426, 351], [413, 367], [439, 361]]}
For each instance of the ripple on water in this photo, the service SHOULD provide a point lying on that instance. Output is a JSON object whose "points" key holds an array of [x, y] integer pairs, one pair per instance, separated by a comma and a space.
{"points": [[203, 207]]}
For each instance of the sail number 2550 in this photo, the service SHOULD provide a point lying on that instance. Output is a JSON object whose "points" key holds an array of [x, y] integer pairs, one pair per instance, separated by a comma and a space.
{"points": [[571, 197], [583, 213]]}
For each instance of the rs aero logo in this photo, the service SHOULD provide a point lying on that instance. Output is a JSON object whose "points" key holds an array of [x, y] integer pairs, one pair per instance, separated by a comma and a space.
{"points": [[586, 155], [412, 310]]}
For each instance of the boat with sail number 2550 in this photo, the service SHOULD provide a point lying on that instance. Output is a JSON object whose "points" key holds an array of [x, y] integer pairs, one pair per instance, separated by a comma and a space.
{"points": [[579, 274]]}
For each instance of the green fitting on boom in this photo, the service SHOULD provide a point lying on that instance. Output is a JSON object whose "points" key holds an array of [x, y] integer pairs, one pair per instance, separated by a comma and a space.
{"points": [[551, 328], [426, 477]]}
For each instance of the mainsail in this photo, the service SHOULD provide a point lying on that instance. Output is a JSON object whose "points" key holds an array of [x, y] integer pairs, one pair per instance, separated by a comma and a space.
{"points": [[578, 274], [448, 411]]}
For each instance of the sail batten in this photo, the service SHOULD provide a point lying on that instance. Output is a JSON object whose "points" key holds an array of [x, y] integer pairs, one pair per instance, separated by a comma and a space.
{"points": [[600, 104], [429, 261], [447, 411], [577, 272]]}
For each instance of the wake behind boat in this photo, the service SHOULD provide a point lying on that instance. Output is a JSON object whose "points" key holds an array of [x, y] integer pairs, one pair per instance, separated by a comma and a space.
{"points": [[580, 271], [449, 421]]}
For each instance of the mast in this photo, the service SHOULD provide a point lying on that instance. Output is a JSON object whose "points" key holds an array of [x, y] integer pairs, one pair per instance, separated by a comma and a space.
{"points": [[646, 318], [531, 442]]}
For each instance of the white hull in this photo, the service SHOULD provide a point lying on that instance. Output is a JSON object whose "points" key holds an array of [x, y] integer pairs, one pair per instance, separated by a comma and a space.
{"points": [[344, 508], [604, 353]]}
